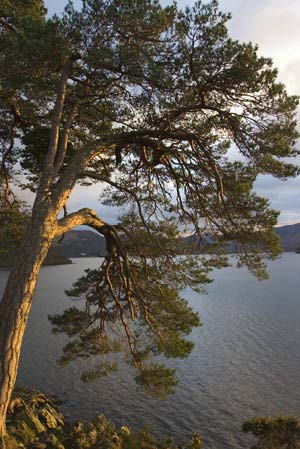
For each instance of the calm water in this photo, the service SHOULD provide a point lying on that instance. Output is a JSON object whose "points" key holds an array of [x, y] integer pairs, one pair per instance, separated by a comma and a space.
{"points": [[246, 361]]}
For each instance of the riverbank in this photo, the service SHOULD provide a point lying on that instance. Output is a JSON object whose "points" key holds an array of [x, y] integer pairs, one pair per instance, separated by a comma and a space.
{"points": [[55, 256], [35, 422]]}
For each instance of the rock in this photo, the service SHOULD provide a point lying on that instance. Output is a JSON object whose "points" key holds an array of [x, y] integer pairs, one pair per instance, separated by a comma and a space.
{"points": [[21, 432], [50, 417], [35, 423], [15, 405], [12, 443], [55, 256], [29, 417]]}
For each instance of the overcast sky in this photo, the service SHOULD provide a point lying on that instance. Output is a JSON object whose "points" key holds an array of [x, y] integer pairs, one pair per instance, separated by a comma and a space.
{"points": [[275, 26]]}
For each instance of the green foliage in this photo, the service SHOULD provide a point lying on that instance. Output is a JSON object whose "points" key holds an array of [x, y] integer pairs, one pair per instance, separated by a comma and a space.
{"points": [[35, 421], [28, 72], [282, 432], [19, 9], [144, 439], [132, 304], [103, 369], [14, 216], [157, 380], [154, 99]]}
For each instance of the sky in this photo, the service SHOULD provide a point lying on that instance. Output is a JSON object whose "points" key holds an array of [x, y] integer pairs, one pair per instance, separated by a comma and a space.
{"points": [[275, 26]]}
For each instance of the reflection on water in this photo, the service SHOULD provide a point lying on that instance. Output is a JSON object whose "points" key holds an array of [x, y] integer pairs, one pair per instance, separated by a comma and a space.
{"points": [[245, 363]]}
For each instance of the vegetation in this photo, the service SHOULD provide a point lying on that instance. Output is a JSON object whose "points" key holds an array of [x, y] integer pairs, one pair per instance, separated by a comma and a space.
{"points": [[148, 101], [36, 423], [13, 219], [282, 432]]}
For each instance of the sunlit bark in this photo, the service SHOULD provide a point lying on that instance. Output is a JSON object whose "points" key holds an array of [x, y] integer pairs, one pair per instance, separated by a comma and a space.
{"points": [[16, 303]]}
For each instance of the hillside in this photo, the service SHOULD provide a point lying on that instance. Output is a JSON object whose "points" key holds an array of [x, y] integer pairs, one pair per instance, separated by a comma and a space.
{"points": [[289, 236], [55, 256], [83, 244]]}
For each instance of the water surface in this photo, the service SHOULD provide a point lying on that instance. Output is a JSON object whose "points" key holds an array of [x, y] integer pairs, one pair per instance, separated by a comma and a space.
{"points": [[246, 360]]}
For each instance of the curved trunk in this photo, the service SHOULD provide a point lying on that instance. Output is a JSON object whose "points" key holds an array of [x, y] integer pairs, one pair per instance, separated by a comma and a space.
{"points": [[16, 303]]}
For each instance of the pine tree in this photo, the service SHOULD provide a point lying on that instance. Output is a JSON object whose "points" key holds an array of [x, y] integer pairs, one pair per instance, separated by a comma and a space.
{"points": [[148, 101]]}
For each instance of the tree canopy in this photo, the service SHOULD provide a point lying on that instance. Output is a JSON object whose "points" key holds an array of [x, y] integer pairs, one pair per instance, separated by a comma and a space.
{"points": [[176, 120]]}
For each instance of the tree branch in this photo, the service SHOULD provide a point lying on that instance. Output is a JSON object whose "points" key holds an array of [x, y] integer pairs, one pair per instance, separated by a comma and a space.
{"points": [[81, 158], [61, 152], [48, 169], [57, 114], [83, 216]]}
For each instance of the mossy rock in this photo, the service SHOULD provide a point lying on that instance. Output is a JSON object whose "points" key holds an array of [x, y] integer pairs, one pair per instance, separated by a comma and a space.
{"points": [[50, 417], [12, 443], [32, 414], [35, 423], [31, 419], [21, 431]]}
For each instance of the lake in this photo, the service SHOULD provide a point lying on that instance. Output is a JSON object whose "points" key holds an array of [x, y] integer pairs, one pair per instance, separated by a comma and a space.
{"points": [[246, 360]]}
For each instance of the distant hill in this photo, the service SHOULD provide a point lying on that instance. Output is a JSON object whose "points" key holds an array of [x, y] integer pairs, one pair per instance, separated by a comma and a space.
{"points": [[55, 256], [83, 244], [74, 244], [90, 244], [289, 236]]}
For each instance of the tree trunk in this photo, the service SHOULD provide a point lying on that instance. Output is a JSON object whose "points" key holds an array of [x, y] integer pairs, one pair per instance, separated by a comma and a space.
{"points": [[16, 303]]}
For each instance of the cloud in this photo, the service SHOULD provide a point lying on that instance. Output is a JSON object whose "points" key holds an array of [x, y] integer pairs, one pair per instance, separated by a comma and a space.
{"points": [[274, 26], [91, 197], [283, 196], [57, 6]]}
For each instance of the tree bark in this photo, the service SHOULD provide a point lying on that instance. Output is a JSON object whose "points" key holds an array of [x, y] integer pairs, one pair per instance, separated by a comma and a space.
{"points": [[16, 303], [17, 298]]}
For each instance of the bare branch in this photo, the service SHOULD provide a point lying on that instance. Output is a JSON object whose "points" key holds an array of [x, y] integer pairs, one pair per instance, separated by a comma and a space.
{"points": [[61, 152], [57, 114], [83, 216], [56, 122], [82, 158]]}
